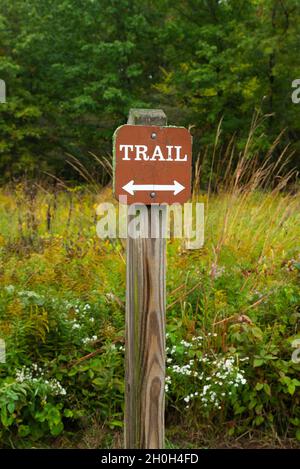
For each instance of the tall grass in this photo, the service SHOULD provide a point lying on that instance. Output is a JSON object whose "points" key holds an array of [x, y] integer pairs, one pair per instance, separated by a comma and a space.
{"points": [[240, 291]]}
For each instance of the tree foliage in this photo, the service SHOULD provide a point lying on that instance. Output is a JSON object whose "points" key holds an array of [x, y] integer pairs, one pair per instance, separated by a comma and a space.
{"points": [[73, 68]]}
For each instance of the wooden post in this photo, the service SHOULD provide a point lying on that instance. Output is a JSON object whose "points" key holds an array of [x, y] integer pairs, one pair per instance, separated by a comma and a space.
{"points": [[145, 324]]}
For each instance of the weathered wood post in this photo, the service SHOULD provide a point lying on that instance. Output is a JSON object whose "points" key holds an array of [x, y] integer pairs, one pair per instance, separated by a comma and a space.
{"points": [[152, 168], [145, 325]]}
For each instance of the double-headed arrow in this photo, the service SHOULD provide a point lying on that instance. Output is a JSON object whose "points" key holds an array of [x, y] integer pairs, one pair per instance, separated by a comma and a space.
{"points": [[131, 188]]}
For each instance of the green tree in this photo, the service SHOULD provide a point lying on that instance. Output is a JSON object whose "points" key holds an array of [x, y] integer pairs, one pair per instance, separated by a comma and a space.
{"points": [[73, 69]]}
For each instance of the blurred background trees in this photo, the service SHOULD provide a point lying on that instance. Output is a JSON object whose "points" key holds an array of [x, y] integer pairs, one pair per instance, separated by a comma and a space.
{"points": [[73, 68]]}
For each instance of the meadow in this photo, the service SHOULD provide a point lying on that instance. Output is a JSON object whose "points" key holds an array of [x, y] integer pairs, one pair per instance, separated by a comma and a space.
{"points": [[233, 310], [225, 70]]}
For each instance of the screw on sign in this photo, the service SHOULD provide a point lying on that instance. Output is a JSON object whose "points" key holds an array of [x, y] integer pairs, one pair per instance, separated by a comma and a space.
{"points": [[152, 164]]}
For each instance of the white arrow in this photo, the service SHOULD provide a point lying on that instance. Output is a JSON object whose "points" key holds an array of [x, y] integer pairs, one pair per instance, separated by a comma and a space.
{"points": [[131, 188]]}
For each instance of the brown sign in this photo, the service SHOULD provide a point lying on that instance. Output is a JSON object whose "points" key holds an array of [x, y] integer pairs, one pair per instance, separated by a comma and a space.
{"points": [[152, 164]]}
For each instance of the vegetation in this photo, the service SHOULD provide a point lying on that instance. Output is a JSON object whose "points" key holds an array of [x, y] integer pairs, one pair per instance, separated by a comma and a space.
{"points": [[232, 317], [73, 69]]}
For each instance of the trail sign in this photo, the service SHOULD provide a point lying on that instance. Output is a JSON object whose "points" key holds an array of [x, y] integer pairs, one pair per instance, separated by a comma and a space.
{"points": [[152, 164]]}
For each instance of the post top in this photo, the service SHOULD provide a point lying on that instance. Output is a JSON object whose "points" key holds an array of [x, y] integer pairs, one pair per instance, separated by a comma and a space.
{"points": [[147, 117]]}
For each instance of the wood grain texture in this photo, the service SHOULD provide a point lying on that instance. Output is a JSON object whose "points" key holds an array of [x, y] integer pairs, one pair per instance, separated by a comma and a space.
{"points": [[145, 325], [147, 117]]}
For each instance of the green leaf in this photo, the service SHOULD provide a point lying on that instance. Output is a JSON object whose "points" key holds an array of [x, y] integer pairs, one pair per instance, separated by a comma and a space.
{"points": [[11, 407], [259, 420], [56, 429], [291, 388], [98, 382], [258, 362], [259, 386], [252, 404], [54, 416], [116, 423], [68, 413], [23, 430], [5, 419]]}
